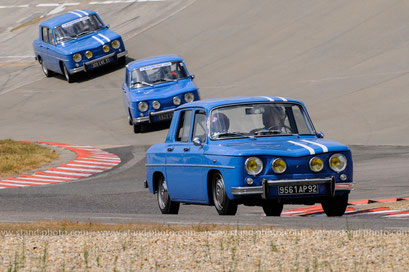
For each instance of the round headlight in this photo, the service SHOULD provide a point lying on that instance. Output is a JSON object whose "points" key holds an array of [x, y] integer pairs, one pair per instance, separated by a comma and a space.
{"points": [[88, 54], [116, 44], [189, 97], [254, 166], [105, 48], [338, 162], [77, 57], [143, 106], [176, 101], [155, 105], [316, 164], [279, 166]]}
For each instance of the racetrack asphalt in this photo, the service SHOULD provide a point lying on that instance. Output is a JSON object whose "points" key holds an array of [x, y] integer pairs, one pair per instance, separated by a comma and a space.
{"points": [[346, 60]]}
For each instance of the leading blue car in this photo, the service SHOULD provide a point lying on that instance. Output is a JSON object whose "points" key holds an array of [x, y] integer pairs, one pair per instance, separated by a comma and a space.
{"points": [[77, 41], [261, 151], [154, 87]]}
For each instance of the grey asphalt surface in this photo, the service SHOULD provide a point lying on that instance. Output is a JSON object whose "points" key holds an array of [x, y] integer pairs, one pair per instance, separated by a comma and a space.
{"points": [[347, 61]]}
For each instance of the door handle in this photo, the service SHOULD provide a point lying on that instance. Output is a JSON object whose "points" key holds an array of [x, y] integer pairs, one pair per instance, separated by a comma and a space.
{"points": [[186, 149], [170, 149]]}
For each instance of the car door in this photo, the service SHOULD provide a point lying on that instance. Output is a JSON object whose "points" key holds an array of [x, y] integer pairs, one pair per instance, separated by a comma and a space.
{"points": [[52, 56], [42, 45], [193, 159], [180, 186], [125, 92]]}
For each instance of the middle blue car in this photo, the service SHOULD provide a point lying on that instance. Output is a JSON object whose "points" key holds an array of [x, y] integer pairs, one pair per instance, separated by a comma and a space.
{"points": [[154, 87]]}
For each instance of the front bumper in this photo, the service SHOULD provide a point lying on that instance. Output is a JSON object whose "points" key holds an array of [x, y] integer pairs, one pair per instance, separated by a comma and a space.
{"points": [[263, 190], [150, 115], [83, 67]]}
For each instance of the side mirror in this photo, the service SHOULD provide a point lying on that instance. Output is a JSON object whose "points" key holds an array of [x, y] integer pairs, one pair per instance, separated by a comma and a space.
{"points": [[320, 134], [197, 142], [192, 77], [108, 26]]}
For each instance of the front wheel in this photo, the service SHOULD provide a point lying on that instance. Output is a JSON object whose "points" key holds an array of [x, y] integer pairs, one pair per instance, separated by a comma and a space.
{"points": [[223, 204], [272, 208], [335, 206], [67, 75], [166, 205]]}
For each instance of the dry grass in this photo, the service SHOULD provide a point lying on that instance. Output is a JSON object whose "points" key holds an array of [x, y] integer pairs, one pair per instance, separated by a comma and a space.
{"points": [[67, 246], [18, 157]]}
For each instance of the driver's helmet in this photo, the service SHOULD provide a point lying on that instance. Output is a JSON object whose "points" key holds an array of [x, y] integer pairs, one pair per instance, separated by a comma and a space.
{"points": [[274, 117], [219, 123]]}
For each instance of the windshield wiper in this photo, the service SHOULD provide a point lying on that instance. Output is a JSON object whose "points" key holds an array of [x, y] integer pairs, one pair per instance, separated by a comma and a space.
{"points": [[227, 134], [83, 33], [141, 82], [266, 131]]}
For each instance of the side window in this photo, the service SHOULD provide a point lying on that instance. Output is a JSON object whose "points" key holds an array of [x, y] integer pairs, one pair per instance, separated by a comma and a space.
{"points": [[185, 121], [127, 77], [50, 37], [199, 126], [44, 34]]}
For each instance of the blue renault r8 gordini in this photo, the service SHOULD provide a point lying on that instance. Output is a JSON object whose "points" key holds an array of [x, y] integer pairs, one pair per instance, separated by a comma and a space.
{"points": [[154, 87], [76, 41], [261, 151]]}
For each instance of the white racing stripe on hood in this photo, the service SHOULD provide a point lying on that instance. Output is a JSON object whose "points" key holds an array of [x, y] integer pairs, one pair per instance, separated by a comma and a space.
{"points": [[81, 11], [282, 98], [268, 98], [105, 37], [79, 15], [324, 148], [102, 43], [312, 151]]}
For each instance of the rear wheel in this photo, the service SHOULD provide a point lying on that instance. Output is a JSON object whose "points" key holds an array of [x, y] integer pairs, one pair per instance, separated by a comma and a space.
{"points": [[166, 205], [223, 204], [271, 208], [130, 121], [335, 206], [46, 72]]}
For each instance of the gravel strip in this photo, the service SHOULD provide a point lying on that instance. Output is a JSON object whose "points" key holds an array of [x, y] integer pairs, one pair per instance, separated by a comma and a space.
{"points": [[231, 250]]}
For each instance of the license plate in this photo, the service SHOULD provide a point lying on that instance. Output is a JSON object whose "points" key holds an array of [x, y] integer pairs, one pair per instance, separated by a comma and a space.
{"points": [[298, 189], [100, 63], [165, 116]]}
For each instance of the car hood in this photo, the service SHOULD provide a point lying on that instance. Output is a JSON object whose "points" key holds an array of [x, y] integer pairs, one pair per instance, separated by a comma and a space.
{"points": [[286, 146], [88, 42], [164, 90]]}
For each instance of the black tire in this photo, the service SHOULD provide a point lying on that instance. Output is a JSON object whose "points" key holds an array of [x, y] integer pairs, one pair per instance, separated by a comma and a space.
{"points": [[166, 205], [335, 206], [130, 121], [67, 75], [46, 72], [271, 208], [121, 61], [223, 204], [137, 128]]}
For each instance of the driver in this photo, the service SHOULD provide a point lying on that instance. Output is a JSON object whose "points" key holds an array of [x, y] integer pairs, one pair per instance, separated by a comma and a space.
{"points": [[273, 118], [219, 124]]}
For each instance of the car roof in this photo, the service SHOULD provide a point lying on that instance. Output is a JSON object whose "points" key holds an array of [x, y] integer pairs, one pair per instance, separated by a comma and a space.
{"points": [[152, 60], [216, 102], [66, 17]]}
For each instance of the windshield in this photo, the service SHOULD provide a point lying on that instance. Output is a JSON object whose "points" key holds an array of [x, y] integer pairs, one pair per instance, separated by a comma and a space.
{"points": [[259, 120], [77, 28], [157, 73]]}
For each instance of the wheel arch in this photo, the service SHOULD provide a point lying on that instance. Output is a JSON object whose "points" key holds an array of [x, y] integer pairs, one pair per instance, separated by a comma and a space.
{"points": [[155, 180], [210, 174]]}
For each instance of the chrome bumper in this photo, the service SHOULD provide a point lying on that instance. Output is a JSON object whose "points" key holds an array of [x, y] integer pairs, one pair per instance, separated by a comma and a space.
{"points": [[82, 68], [149, 117], [263, 189]]}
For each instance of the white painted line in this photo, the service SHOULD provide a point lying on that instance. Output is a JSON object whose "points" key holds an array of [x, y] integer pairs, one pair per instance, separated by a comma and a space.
{"points": [[26, 182], [55, 177], [18, 185], [102, 43], [312, 151], [398, 215], [68, 173], [89, 166], [48, 5], [20, 6], [93, 162], [16, 57], [41, 179], [324, 148], [370, 213], [80, 169]]}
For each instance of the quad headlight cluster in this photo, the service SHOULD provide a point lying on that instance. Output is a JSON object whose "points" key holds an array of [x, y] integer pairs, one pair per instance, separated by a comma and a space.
{"points": [[77, 57], [337, 162], [188, 97]]}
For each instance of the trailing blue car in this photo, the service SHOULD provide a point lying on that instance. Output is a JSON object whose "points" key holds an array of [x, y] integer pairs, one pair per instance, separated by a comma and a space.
{"points": [[154, 87], [261, 151], [77, 41]]}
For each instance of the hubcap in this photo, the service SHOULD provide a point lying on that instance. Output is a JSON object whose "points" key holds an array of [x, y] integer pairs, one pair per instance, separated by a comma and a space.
{"points": [[163, 195], [219, 192], [44, 69], [66, 73]]}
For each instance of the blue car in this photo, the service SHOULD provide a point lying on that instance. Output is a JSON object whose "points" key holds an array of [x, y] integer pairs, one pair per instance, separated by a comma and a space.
{"points": [[154, 88], [261, 151], [77, 41]]}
